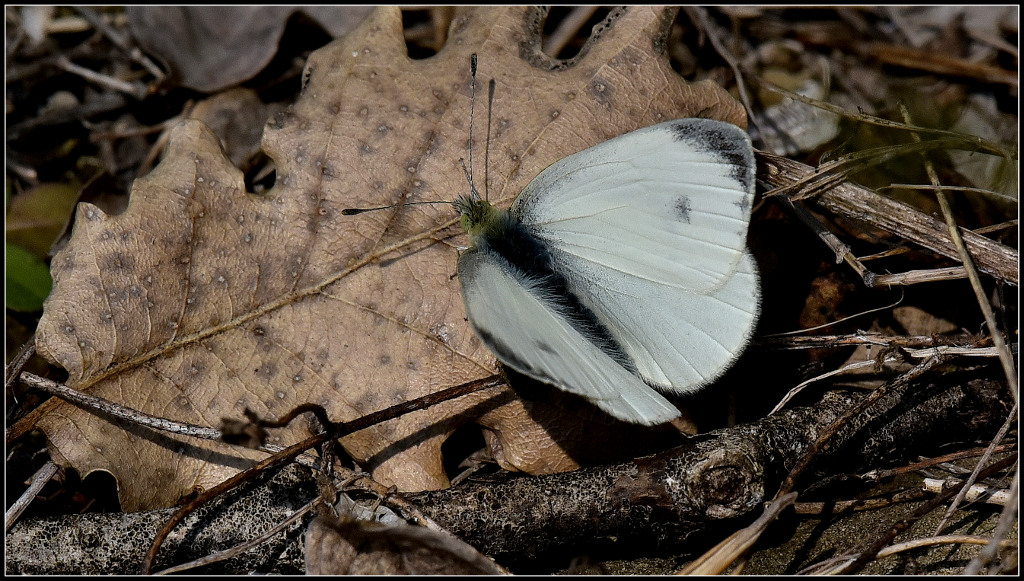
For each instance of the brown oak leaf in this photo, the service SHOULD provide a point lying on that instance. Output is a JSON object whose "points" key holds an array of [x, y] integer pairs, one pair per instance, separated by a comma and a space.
{"points": [[201, 300]]}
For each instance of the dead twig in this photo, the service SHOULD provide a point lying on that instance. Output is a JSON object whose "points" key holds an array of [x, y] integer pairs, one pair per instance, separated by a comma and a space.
{"points": [[861, 204]]}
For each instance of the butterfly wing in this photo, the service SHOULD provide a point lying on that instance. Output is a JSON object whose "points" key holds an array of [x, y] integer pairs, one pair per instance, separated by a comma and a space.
{"points": [[649, 231], [678, 340], [668, 203], [529, 331]]}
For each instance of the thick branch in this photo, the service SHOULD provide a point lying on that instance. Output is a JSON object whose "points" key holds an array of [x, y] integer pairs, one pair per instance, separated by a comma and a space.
{"points": [[664, 498], [659, 499]]}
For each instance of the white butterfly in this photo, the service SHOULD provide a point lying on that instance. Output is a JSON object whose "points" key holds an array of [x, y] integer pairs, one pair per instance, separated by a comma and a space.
{"points": [[621, 267]]}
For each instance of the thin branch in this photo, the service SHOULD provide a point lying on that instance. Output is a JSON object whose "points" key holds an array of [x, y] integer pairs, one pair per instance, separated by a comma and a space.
{"points": [[1006, 520], [1011, 420], [18, 363], [36, 483], [1005, 357], [112, 409], [983, 145], [876, 475]]}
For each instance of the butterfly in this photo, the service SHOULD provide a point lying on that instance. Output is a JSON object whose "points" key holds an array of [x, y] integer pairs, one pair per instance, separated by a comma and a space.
{"points": [[621, 271]]}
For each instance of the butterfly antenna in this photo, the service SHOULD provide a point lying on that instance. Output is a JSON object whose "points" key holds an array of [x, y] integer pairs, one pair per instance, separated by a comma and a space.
{"points": [[487, 144], [472, 113]]}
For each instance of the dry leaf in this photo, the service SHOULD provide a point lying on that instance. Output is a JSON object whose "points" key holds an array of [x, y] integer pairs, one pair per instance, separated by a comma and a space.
{"points": [[201, 300], [237, 117], [366, 548], [210, 48]]}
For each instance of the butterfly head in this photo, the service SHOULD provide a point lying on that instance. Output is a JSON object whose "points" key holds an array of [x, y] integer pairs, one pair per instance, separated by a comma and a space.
{"points": [[478, 217]]}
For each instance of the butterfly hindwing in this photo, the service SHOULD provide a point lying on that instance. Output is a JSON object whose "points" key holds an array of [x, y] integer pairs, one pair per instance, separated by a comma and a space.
{"points": [[677, 340], [529, 330]]}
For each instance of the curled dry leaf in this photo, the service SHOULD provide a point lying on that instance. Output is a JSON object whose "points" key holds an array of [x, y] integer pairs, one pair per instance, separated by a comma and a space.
{"points": [[353, 547], [225, 45], [236, 116], [201, 300]]}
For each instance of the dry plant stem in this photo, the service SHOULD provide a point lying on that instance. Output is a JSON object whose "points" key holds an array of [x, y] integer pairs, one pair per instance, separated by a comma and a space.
{"points": [[833, 172], [1006, 520], [144, 130], [781, 341], [833, 508], [903, 249], [1010, 422], [146, 165], [965, 189], [699, 16], [920, 276], [135, 91], [859, 203], [982, 145], [117, 411], [819, 444], [842, 252], [333, 431], [567, 29], [930, 61], [120, 41], [877, 475], [239, 549], [1005, 357], [844, 369], [131, 415], [976, 493], [872, 551], [39, 479], [717, 559], [926, 542], [941, 350], [18, 363]]}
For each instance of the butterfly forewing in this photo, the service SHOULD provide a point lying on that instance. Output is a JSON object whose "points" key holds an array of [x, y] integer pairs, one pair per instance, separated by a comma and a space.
{"points": [[668, 203], [649, 231]]}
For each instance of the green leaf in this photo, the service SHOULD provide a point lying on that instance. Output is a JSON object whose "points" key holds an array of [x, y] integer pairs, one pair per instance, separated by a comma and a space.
{"points": [[37, 217], [28, 280]]}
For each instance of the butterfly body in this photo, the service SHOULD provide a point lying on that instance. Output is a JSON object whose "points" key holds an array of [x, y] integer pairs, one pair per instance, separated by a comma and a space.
{"points": [[621, 267]]}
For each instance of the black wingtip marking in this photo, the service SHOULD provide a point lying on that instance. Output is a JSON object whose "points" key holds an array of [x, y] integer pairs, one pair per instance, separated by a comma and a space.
{"points": [[725, 140]]}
